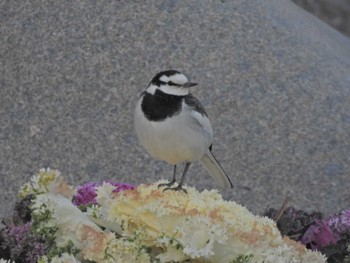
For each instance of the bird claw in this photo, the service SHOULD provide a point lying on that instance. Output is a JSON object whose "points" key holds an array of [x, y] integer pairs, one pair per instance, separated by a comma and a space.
{"points": [[167, 185], [177, 188]]}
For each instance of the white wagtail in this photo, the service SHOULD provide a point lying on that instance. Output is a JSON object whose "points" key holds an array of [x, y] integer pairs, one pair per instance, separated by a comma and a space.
{"points": [[172, 125]]}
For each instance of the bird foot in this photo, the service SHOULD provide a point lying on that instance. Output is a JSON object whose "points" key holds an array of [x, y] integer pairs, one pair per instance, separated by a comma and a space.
{"points": [[177, 188], [167, 184]]}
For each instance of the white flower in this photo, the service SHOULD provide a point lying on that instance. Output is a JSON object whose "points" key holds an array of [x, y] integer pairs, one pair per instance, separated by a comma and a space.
{"points": [[74, 226], [147, 224], [47, 181], [197, 226], [172, 254], [95, 215], [121, 250], [104, 192], [99, 214], [198, 235], [64, 258]]}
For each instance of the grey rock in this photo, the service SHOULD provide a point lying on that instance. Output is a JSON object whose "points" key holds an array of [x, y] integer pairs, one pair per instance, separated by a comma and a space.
{"points": [[334, 12], [274, 80]]}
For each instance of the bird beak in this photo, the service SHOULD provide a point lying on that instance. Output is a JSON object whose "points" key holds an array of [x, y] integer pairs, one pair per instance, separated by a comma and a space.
{"points": [[189, 84]]}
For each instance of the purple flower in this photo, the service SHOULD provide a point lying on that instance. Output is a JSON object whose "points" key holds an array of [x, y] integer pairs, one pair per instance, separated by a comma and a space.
{"points": [[19, 232], [22, 243], [86, 194], [319, 235], [328, 231], [340, 223], [39, 249], [120, 187]]}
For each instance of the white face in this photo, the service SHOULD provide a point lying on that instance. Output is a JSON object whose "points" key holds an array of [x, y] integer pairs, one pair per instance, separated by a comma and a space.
{"points": [[173, 85], [178, 79]]}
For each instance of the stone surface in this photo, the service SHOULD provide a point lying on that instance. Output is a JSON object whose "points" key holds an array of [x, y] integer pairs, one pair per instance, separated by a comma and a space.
{"points": [[274, 80], [334, 12]]}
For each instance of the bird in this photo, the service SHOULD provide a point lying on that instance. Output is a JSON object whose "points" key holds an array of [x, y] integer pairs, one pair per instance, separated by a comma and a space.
{"points": [[173, 126]]}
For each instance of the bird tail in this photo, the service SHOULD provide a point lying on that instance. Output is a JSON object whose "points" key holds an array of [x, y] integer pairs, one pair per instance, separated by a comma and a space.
{"points": [[213, 167]]}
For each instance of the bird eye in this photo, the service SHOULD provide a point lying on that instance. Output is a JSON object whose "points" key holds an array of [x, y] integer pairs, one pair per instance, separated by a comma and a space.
{"points": [[172, 83]]}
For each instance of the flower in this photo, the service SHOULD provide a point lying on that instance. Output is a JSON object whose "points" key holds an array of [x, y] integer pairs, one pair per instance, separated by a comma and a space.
{"points": [[196, 226], [319, 235], [86, 193], [45, 181], [328, 231], [64, 258], [116, 222], [67, 220], [329, 236], [340, 223], [72, 225], [22, 243]]}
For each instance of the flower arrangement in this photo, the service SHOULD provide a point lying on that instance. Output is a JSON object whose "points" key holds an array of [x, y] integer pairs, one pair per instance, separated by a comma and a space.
{"points": [[113, 222]]}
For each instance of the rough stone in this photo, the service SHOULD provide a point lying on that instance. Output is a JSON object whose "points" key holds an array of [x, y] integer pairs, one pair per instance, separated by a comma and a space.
{"points": [[334, 12]]}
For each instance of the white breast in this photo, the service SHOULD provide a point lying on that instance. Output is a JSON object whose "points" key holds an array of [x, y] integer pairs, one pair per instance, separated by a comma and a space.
{"points": [[181, 138]]}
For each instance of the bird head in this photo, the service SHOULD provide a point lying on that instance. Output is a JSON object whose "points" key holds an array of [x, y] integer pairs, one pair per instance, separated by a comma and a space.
{"points": [[171, 82]]}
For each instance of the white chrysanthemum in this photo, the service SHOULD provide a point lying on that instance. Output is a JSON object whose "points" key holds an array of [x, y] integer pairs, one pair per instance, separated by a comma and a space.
{"points": [[198, 235], [279, 254], [105, 198], [6, 261], [104, 192]]}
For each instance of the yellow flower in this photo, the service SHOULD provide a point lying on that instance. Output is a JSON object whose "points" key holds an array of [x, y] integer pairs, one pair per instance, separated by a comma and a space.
{"points": [[47, 181]]}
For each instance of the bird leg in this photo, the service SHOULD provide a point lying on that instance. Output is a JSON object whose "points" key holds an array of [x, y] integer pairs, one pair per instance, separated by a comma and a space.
{"points": [[179, 186], [172, 181]]}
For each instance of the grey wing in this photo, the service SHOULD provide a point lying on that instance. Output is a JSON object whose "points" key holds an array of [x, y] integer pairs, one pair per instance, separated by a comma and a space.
{"points": [[199, 117], [208, 160], [195, 104]]}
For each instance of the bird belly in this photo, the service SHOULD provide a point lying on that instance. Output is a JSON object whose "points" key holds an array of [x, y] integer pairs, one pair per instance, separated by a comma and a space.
{"points": [[174, 140]]}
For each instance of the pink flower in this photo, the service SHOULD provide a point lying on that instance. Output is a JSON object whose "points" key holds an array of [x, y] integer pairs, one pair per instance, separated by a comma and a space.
{"points": [[328, 231], [86, 194], [319, 235]]}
